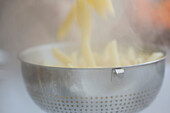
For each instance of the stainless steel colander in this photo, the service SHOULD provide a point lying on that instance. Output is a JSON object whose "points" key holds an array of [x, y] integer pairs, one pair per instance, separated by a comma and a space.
{"points": [[95, 90]]}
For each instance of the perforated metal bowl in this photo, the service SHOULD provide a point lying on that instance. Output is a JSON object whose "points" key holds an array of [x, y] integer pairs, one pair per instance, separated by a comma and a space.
{"points": [[95, 90]]}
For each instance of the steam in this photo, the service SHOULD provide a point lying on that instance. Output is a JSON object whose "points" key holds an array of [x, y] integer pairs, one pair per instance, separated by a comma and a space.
{"points": [[26, 23], [145, 19]]}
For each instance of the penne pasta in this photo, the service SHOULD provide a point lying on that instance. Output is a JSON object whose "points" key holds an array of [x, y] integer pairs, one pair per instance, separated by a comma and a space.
{"points": [[111, 56], [100, 6], [109, 6], [114, 54], [84, 17], [74, 58], [155, 56], [87, 53], [91, 2], [131, 55], [67, 23], [61, 56]]}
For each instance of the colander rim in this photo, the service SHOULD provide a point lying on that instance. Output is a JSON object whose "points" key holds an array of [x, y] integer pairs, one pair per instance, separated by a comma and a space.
{"points": [[91, 68]]}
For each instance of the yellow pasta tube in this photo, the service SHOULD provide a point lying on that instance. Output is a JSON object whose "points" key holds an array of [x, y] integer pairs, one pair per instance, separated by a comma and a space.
{"points": [[106, 52], [109, 6], [74, 58], [139, 60], [155, 56], [131, 55], [61, 56], [87, 52], [84, 17], [84, 22], [98, 58], [114, 54], [124, 62], [91, 2], [106, 56], [100, 6], [67, 23]]}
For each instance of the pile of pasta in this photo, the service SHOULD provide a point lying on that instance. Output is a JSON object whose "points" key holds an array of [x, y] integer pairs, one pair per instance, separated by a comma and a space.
{"points": [[111, 56]]}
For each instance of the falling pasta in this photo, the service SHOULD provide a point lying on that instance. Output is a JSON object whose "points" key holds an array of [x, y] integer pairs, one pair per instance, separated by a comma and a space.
{"points": [[111, 56]]}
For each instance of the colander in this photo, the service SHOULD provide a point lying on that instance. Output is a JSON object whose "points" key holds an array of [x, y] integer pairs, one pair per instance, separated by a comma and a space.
{"points": [[127, 89]]}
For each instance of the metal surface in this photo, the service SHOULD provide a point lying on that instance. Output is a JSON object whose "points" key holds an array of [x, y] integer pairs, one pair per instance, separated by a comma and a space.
{"points": [[100, 90]]}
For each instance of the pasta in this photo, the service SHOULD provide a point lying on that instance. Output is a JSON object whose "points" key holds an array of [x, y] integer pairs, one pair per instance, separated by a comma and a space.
{"points": [[131, 55], [74, 58], [67, 23], [84, 22], [61, 57], [114, 54], [155, 56], [111, 56]]}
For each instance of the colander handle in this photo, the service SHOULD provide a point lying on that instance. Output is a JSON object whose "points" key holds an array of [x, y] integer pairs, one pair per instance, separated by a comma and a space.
{"points": [[117, 74], [118, 71]]}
